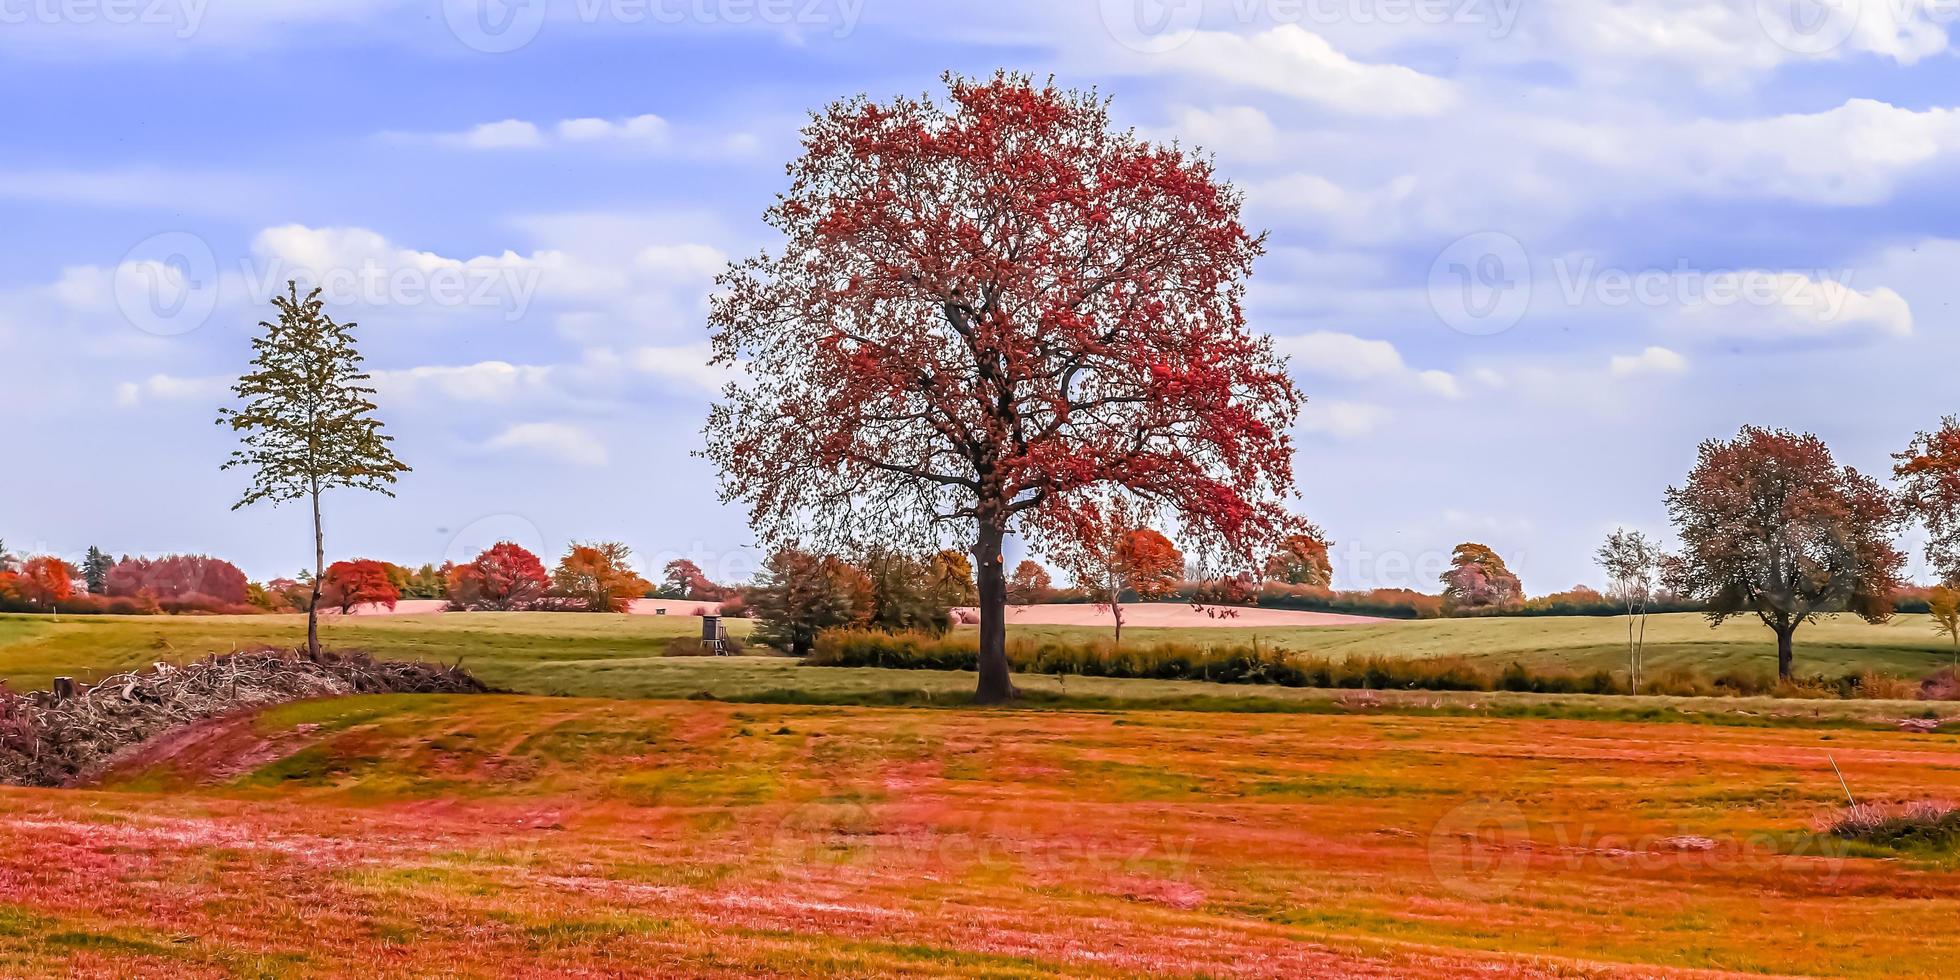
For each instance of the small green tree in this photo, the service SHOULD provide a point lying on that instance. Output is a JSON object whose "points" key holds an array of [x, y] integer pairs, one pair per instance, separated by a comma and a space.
{"points": [[1943, 602], [306, 421], [95, 571], [798, 595], [1631, 562]]}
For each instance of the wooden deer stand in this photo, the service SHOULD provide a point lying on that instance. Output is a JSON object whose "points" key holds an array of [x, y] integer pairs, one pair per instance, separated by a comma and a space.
{"points": [[714, 636]]}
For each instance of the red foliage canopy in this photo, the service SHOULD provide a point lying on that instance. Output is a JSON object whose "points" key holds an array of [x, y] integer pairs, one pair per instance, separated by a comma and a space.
{"points": [[504, 577], [999, 310], [180, 577], [600, 577], [1929, 476], [1771, 525], [1302, 560], [1126, 560], [45, 581], [356, 583]]}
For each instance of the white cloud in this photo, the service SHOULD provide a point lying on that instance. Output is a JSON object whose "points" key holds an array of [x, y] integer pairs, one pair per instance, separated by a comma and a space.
{"points": [[1342, 419], [685, 364], [485, 381], [1790, 305], [1326, 353], [1722, 41], [505, 135], [558, 441], [647, 133], [169, 388], [1231, 132], [648, 129], [1855, 153], [1292, 61], [1653, 360]]}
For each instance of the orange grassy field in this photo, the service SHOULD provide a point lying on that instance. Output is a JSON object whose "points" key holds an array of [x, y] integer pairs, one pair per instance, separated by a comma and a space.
{"points": [[511, 836]]}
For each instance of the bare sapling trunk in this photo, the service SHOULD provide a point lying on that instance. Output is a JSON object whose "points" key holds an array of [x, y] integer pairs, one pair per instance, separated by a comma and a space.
{"points": [[319, 572], [1633, 659], [996, 681]]}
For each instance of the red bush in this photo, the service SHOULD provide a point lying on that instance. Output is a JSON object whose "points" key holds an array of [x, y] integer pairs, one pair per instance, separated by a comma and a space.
{"points": [[358, 583], [503, 577], [192, 580]]}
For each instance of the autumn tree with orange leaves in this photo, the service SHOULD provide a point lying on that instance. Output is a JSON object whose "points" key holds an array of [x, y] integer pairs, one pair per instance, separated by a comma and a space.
{"points": [[600, 577], [360, 582], [1771, 525], [46, 582], [989, 314], [1302, 560], [1030, 584], [1126, 561], [1928, 472]]}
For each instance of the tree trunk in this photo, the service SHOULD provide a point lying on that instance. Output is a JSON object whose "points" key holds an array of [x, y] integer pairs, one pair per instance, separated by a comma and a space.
{"points": [[1784, 655], [1633, 661], [1116, 612], [996, 684], [319, 571]]}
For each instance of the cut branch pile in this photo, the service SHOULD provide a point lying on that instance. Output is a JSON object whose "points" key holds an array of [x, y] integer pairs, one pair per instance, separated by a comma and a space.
{"points": [[47, 739]]}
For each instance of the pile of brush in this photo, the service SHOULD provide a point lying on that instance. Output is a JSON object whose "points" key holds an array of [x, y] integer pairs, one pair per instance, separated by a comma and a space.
{"points": [[48, 738]]}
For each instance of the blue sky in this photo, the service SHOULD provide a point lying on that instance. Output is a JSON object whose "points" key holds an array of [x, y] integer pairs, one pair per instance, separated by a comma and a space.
{"points": [[1525, 254]]}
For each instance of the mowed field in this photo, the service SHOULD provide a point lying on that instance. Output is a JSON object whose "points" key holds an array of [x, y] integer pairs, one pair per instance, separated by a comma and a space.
{"points": [[647, 825], [500, 836], [621, 656]]}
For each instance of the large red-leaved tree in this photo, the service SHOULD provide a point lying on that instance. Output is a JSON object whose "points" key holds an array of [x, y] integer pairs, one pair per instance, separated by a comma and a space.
{"points": [[1770, 524], [988, 315], [506, 576]]}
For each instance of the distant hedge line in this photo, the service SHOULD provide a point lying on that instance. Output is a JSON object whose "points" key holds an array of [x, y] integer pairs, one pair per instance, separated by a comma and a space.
{"points": [[1225, 664], [1264, 664]]}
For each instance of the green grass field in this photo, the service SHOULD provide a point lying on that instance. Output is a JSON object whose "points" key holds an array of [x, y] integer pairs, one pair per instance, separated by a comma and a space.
{"points": [[636, 827], [622, 657]]}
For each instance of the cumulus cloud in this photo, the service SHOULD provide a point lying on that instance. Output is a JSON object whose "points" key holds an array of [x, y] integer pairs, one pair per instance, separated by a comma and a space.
{"points": [[1325, 353], [559, 441], [1854, 153], [485, 381], [1292, 61], [647, 132], [1231, 132], [686, 365], [1653, 360], [169, 388], [1793, 305], [1717, 40], [1342, 419]]}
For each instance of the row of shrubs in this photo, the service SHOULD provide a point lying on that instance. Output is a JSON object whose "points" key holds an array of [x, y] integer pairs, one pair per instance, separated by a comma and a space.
{"points": [[1406, 603], [131, 605], [1263, 664]]}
